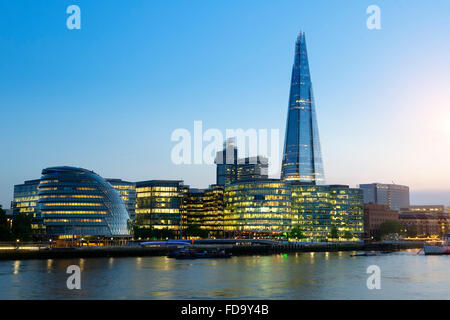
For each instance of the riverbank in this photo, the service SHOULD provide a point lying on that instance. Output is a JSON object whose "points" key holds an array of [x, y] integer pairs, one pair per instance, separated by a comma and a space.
{"points": [[235, 249]]}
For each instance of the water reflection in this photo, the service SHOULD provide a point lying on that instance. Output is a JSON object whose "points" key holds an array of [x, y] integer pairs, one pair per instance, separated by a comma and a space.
{"points": [[333, 275], [16, 267]]}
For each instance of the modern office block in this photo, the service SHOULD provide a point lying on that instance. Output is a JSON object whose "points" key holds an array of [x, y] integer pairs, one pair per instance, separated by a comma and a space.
{"points": [[393, 195], [204, 208], [25, 201], [302, 158], [257, 208], [159, 205], [226, 162], [26, 198], [252, 168], [317, 209], [230, 169]]}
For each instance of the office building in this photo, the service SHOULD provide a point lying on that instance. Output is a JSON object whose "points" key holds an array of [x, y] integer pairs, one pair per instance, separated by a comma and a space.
{"points": [[25, 200], [204, 208], [78, 204], [393, 195], [159, 205], [302, 158], [231, 169], [226, 163], [317, 209], [257, 209]]}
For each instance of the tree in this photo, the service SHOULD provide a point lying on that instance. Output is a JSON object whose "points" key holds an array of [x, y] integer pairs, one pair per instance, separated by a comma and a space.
{"points": [[334, 233], [5, 232], [348, 235], [390, 227], [21, 226], [154, 234], [194, 230], [296, 233]]}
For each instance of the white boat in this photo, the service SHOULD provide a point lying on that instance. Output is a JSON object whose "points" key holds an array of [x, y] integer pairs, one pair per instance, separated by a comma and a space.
{"points": [[440, 249]]}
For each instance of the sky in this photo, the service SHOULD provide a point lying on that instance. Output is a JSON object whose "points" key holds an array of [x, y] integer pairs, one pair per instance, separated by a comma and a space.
{"points": [[109, 96]]}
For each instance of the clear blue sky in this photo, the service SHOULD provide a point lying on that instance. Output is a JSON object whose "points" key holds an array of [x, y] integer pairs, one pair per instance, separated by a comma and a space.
{"points": [[107, 97]]}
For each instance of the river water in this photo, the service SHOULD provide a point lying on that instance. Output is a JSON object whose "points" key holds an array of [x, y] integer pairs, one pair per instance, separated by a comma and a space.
{"points": [[334, 275]]}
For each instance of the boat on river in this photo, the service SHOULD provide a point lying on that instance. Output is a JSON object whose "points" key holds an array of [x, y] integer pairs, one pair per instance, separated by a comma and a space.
{"points": [[443, 248]]}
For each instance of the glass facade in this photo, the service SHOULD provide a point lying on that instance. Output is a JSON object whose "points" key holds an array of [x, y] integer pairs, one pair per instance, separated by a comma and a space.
{"points": [[302, 158], [25, 201], [127, 190], [159, 204], [230, 169], [79, 203], [257, 208], [204, 207], [317, 209], [26, 198], [393, 195], [213, 208], [226, 162]]}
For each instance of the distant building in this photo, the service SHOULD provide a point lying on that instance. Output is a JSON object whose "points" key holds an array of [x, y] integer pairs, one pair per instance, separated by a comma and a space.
{"points": [[252, 168], [393, 195], [374, 216], [425, 220], [230, 169], [425, 209], [316, 209], [127, 191], [226, 162], [159, 205], [78, 204]]}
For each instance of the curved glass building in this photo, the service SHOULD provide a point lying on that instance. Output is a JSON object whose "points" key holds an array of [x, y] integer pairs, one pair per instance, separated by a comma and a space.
{"points": [[76, 202]]}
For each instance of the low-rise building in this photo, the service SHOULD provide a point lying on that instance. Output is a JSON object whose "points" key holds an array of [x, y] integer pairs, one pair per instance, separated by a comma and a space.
{"points": [[374, 216]]}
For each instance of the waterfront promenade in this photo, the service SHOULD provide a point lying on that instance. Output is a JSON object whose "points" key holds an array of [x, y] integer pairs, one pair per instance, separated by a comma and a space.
{"points": [[161, 248]]}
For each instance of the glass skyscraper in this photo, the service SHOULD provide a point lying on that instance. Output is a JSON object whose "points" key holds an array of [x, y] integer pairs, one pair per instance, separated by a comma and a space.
{"points": [[302, 158]]}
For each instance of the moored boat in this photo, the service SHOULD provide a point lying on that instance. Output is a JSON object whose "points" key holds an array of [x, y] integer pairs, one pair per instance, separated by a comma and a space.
{"points": [[439, 249], [199, 254]]}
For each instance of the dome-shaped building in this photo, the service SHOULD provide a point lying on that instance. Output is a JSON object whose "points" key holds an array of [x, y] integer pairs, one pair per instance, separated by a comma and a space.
{"points": [[76, 202]]}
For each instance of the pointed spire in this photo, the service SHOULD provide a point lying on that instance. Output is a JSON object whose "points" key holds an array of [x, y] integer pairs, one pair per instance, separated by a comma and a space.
{"points": [[302, 159]]}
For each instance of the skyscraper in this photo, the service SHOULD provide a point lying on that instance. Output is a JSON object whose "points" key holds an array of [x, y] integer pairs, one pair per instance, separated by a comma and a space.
{"points": [[302, 158]]}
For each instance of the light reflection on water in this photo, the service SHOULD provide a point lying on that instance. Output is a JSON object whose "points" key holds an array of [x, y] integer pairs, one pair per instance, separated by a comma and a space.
{"points": [[334, 275]]}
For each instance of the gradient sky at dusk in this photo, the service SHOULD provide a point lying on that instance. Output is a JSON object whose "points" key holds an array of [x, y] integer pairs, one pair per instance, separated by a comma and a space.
{"points": [[107, 97]]}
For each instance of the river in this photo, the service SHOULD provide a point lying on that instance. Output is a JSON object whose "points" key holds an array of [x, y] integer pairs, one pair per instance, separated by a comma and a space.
{"points": [[333, 275]]}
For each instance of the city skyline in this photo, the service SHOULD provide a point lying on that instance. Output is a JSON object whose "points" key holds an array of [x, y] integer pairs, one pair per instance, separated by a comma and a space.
{"points": [[117, 124]]}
